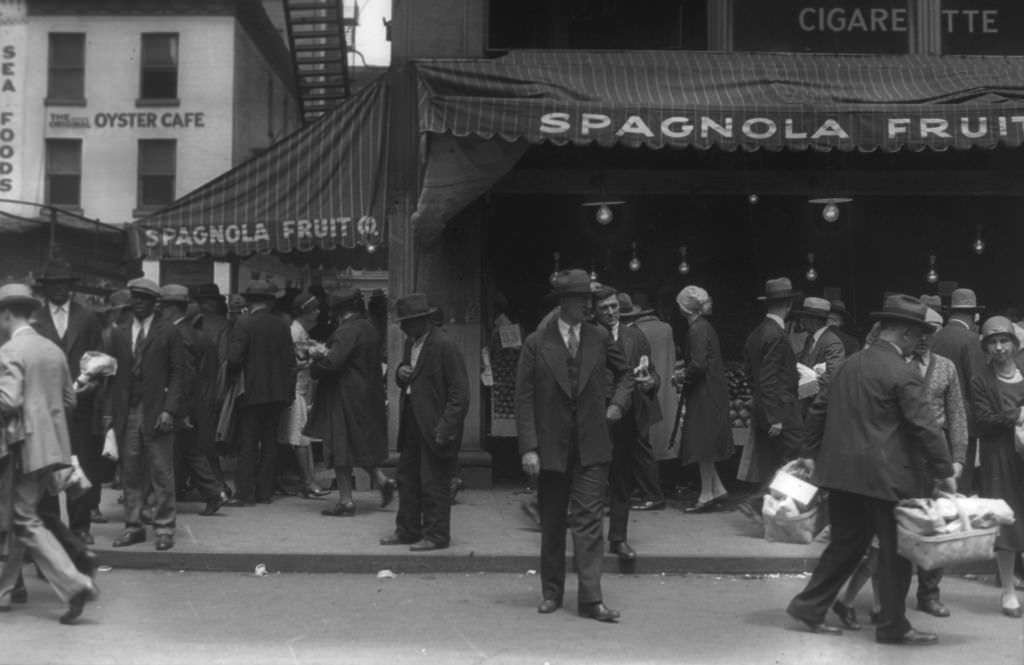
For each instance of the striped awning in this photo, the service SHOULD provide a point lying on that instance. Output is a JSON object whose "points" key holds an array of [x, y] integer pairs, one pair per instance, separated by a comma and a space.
{"points": [[729, 100], [322, 187]]}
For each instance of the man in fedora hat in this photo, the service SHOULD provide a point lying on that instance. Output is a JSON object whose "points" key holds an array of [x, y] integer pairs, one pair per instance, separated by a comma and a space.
{"points": [[959, 342], [191, 460], [871, 440], [822, 346], [631, 452], [564, 400], [435, 399], [35, 393], [838, 320], [777, 422], [154, 406], [75, 329], [260, 349]]}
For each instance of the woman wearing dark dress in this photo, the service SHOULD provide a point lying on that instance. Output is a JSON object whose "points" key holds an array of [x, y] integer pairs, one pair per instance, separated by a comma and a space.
{"points": [[707, 430], [997, 394]]}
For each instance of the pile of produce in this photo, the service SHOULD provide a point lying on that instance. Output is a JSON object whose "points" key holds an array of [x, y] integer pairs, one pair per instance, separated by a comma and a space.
{"points": [[740, 394]]}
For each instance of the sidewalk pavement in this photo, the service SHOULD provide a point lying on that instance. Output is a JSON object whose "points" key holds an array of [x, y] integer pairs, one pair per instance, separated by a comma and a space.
{"points": [[490, 533]]}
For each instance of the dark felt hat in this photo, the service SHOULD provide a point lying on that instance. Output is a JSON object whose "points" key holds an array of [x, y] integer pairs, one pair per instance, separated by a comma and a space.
{"points": [[964, 300], [779, 288], [206, 292], [571, 283], [413, 306], [345, 297], [903, 308], [261, 289], [57, 271]]}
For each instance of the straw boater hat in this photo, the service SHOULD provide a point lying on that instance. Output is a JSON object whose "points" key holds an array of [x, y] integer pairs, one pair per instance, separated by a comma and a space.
{"points": [[903, 308], [570, 283], [816, 307], [935, 302], [174, 293], [56, 271], [964, 300], [17, 294], [779, 288], [413, 306], [144, 286], [933, 319]]}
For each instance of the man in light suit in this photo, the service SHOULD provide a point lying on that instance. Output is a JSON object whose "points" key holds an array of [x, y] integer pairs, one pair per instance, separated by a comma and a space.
{"points": [[873, 439], [155, 398], [434, 404], [631, 449], [822, 346], [562, 411], [777, 423], [35, 392], [75, 329]]}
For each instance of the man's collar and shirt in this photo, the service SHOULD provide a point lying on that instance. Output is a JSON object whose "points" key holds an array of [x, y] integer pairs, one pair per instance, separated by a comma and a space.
{"points": [[414, 355], [59, 314], [777, 319], [570, 336], [140, 330]]}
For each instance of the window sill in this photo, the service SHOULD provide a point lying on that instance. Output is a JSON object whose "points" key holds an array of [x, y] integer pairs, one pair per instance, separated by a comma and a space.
{"points": [[49, 101], [142, 103]]}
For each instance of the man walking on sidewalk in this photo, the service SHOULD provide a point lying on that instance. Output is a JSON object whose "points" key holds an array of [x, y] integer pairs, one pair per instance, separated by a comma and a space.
{"points": [[562, 412], [434, 403], [872, 439], [35, 392]]}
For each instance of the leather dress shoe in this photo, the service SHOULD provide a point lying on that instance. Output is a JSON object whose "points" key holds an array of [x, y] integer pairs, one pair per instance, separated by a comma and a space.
{"points": [[1012, 612], [314, 492], [548, 605], [77, 604], [239, 503], [164, 542], [707, 506], [398, 539], [933, 607], [85, 537], [847, 614], [820, 627], [130, 537], [214, 504], [621, 549], [97, 517], [649, 505], [387, 492], [599, 612], [87, 562], [909, 638], [340, 509], [427, 545]]}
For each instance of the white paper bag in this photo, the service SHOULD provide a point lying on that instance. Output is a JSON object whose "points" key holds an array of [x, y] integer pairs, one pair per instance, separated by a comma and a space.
{"points": [[110, 445]]}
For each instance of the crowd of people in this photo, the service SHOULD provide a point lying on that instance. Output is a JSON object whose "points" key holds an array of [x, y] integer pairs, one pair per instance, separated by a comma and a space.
{"points": [[925, 405]]}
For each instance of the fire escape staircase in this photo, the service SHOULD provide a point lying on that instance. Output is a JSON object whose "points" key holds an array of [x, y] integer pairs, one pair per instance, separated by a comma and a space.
{"points": [[320, 36]]}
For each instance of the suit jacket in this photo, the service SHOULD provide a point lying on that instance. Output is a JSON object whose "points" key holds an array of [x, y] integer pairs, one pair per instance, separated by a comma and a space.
{"points": [[663, 355], [35, 392], [851, 344], [643, 406], [84, 333], [158, 368], [439, 392], [112, 395], [829, 350], [774, 377], [963, 347], [874, 433], [260, 345], [548, 413]]}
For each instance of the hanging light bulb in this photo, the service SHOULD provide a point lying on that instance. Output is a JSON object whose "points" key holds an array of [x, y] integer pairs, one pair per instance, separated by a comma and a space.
{"points": [[753, 199], [554, 273], [593, 275], [933, 275], [604, 215], [684, 267], [634, 263], [979, 244], [811, 274], [830, 212], [371, 248]]}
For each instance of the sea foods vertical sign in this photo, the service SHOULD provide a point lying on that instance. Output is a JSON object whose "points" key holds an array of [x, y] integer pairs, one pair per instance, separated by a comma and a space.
{"points": [[13, 42]]}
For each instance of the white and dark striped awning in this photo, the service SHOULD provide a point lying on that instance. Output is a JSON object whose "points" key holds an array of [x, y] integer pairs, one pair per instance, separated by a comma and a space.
{"points": [[322, 187], [729, 100]]}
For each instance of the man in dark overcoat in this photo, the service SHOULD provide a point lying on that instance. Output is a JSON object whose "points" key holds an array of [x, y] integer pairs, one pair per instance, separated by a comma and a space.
{"points": [[776, 423], [433, 407], [562, 415], [190, 456], [260, 348], [838, 320], [632, 455], [959, 341], [873, 439], [75, 329], [155, 398]]}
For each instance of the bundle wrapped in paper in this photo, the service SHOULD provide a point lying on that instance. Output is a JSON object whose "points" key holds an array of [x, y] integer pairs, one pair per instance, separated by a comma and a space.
{"points": [[94, 364], [317, 350], [70, 479], [808, 381]]}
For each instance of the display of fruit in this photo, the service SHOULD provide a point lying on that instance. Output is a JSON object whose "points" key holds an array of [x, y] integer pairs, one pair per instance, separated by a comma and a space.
{"points": [[741, 395]]}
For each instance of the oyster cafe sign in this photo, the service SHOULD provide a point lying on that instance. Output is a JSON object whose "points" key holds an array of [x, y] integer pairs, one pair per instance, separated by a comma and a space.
{"points": [[821, 129]]}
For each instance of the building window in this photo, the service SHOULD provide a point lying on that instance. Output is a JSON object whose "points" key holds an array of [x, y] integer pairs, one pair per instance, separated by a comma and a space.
{"points": [[67, 68], [64, 172], [159, 68], [156, 173]]}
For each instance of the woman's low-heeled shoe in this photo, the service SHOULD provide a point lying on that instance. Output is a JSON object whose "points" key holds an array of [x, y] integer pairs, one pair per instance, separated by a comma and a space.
{"points": [[706, 506]]}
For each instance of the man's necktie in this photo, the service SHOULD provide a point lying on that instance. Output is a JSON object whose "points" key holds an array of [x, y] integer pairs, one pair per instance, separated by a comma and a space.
{"points": [[574, 342], [139, 338], [805, 355]]}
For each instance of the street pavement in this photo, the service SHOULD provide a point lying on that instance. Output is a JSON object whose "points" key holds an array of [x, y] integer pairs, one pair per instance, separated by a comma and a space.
{"points": [[161, 617]]}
